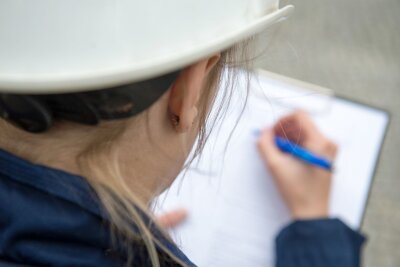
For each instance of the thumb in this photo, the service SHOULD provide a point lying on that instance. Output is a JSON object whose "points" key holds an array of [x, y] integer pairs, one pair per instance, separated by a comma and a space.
{"points": [[172, 219], [271, 154]]}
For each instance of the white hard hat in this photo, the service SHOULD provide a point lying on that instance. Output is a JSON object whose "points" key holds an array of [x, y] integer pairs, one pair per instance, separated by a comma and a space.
{"points": [[59, 46]]}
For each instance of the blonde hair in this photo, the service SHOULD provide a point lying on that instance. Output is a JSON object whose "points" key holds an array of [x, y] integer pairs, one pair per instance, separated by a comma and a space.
{"points": [[99, 163]]}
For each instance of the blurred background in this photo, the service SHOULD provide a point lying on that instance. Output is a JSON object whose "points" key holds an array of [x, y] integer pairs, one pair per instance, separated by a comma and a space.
{"points": [[353, 48]]}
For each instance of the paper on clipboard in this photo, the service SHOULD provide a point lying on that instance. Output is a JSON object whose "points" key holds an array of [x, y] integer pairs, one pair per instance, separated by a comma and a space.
{"points": [[287, 93], [235, 209]]}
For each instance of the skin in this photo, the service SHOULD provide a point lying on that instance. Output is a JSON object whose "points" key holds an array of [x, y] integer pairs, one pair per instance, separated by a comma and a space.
{"points": [[304, 188], [165, 145]]}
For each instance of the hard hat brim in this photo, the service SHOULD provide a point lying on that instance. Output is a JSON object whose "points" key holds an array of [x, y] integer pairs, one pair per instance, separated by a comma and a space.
{"points": [[115, 76]]}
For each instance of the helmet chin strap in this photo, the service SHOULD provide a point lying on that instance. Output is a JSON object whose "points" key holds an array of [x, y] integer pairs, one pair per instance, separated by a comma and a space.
{"points": [[36, 113]]}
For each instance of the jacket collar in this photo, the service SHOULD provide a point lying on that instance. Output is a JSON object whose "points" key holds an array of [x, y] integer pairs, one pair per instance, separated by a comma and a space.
{"points": [[65, 186], [69, 187]]}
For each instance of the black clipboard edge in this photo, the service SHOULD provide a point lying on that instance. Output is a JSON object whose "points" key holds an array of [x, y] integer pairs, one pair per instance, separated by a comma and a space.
{"points": [[381, 145]]}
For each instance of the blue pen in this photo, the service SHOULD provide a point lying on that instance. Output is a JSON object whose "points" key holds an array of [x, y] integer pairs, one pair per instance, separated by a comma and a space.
{"points": [[303, 154]]}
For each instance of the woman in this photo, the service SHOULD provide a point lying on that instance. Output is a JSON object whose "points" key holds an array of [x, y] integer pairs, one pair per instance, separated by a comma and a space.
{"points": [[91, 134]]}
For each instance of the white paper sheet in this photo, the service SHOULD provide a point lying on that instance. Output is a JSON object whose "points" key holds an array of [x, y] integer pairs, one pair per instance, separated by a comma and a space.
{"points": [[235, 211]]}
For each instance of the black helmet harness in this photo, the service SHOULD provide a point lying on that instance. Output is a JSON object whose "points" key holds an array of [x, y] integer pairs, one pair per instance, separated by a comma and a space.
{"points": [[36, 113]]}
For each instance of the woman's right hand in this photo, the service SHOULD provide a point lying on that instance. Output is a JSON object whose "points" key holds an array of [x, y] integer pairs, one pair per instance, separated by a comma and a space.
{"points": [[305, 188]]}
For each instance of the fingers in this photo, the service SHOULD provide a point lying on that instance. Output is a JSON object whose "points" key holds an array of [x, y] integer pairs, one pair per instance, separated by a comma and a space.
{"points": [[268, 149], [173, 218], [304, 188], [299, 128], [328, 148]]}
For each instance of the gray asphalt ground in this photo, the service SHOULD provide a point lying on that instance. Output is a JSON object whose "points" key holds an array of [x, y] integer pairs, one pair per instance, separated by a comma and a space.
{"points": [[353, 47]]}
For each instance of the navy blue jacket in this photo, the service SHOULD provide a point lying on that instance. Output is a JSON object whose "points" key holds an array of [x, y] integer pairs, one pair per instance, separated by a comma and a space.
{"points": [[52, 218]]}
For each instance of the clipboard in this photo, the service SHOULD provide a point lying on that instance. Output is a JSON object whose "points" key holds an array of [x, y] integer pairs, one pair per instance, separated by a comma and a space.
{"points": [[233, 197], [330, 97]]}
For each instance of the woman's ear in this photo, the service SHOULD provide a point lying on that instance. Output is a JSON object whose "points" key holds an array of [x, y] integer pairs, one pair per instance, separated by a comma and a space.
{"points": [[186, 91]]}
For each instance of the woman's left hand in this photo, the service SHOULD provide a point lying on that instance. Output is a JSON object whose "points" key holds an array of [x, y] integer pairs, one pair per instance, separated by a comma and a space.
{"points": [[172, 219]]}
